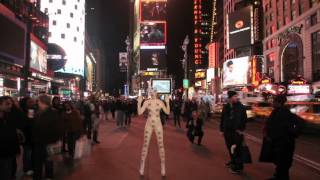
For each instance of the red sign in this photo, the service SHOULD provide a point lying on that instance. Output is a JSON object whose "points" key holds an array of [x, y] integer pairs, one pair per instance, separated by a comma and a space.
{"points": [[213, 54]]}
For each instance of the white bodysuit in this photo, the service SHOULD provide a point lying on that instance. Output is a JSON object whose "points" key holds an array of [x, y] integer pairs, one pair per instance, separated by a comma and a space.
{"points": [[154, 107]]}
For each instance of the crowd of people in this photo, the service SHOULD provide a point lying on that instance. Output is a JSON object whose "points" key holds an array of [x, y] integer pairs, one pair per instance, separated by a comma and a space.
{"points": [[39, 128]]}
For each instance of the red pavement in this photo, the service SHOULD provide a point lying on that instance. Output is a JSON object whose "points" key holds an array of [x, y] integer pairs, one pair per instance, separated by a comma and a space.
{"points": [[117, 157]]}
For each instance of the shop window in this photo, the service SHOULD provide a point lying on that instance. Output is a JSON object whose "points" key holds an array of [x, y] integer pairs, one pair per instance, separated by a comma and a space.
{"points": [[315, 42], [313, 19], [63, 36]]}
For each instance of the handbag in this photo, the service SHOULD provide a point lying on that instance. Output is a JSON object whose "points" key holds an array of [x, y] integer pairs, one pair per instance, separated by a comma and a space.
{"points": [[266, 154], [54, 148], [245, 153]]}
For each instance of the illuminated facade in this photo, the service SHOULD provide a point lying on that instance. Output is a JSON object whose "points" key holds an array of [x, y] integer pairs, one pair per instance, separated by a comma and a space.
{"points": [[67, 29], [197, 11]]}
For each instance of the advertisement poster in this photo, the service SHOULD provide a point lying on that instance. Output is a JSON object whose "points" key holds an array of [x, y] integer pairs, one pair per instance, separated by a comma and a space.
{"points": [[38, 58], [235, 71], [299, 89], [162, 86], [153, 33], [152, 60], [154, 10], [239, 28], [123, 61]]}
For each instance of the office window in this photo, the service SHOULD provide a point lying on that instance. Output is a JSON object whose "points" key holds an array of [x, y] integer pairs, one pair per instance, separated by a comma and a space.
{"points": [[50, 34], [278, 24], [59, 11], [75, 7], [54, 22], [78, 29], [64, 2], [315, 42], [63, 36], [46, 10], [300, 7], [313, 2], [271, 16], [75, 39], [71, 15], [50, 1], [68, 25], [313, 19], [293, 1]]}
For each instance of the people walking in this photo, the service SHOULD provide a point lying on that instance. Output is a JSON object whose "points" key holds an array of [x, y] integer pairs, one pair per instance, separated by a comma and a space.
{"points": [[177, 104], [282, 128], [233, 122], [48, 129]]}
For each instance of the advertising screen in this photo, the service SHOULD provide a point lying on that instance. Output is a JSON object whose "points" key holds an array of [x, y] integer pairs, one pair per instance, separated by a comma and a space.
{"points": [[235, 71], [162, 86], [153, 10], [239, 28], [153, 33], [12, 38], [152, 59], [213, 55], [299, 89], [200, 74], [38, 58], [210, 74]]}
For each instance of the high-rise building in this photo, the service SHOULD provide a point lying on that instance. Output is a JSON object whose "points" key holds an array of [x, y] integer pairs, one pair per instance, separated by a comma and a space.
{"points": [[67, 29], [292, 39]]}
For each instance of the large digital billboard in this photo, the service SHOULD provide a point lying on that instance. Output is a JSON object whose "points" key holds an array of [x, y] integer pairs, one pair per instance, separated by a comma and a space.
{"points": [[153, 33], [154, 10], [152, 60], [240, 28], [38, 58], [12, 40], [235, 71], [67, 29]]}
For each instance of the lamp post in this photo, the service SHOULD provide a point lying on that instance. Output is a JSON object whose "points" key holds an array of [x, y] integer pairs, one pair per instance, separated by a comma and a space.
{"points": [[184, 48], [128, 43]]}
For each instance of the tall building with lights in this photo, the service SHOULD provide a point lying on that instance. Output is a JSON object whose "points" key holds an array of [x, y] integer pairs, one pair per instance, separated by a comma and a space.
{"points": [[67, 29]]}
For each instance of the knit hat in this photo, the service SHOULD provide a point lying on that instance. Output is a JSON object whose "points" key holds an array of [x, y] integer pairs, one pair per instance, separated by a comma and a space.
{"points": [[231, 94]]}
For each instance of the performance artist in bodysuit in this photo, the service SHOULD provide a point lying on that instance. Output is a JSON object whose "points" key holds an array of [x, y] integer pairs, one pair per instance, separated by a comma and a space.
{"points": [[154, 106]]}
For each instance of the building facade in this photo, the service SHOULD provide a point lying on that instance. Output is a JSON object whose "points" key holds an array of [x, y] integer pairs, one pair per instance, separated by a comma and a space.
{"points": [[292, 39]]}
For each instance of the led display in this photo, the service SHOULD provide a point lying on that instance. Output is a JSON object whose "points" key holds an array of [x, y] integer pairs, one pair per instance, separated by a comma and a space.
{"points": [[153, 33]]}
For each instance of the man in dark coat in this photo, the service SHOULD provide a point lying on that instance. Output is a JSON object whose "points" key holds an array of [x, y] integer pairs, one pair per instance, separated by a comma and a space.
{"points": [[233, 121], [8, 142], [282, 127], [177, 104], [48, 128]]}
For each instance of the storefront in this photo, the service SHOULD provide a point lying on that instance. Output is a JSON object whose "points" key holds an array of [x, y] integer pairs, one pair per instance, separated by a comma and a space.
{"points": [[293, 49]]}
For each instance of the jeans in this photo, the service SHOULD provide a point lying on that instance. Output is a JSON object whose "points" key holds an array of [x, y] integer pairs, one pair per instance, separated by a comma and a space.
{"points": [[176, 117], [6, 167], [40, 159]]}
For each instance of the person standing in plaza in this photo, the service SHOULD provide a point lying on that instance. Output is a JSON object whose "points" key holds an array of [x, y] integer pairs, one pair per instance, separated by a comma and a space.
{"points": [[282, 127], [232, 125], [177, 104]]}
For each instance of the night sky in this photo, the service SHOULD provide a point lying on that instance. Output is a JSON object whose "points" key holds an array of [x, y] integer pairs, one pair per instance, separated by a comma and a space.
{"points": [[108, 26]]}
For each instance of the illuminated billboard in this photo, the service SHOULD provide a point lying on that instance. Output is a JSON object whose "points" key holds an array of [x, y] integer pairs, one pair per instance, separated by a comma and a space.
{"points": [[123, 61], [153, 33], [240, 28], [38, 57], [235, 71], [153, 10], [67, 29], [213, 54], [299, 89], [152, 60], [200, 74], [12, 38]]}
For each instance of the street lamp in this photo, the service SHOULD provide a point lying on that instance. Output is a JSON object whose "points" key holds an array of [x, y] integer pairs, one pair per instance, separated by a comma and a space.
{"points": [[128, 43], [184, 48]]}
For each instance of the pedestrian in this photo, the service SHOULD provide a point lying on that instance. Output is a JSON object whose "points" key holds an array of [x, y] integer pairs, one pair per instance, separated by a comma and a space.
{"points": [[203, 110], [177, 104], [120, 112], [128, 111], [27, 105], [95, 118], [87, 113], [8, 142], [233, 121], [195, 128], [282, 128], [48, 129], [73, 126]]}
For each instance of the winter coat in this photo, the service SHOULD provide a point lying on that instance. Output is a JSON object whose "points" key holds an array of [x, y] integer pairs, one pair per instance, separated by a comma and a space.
{"points": [[233, 117], [73, 122], [8, 139]]}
